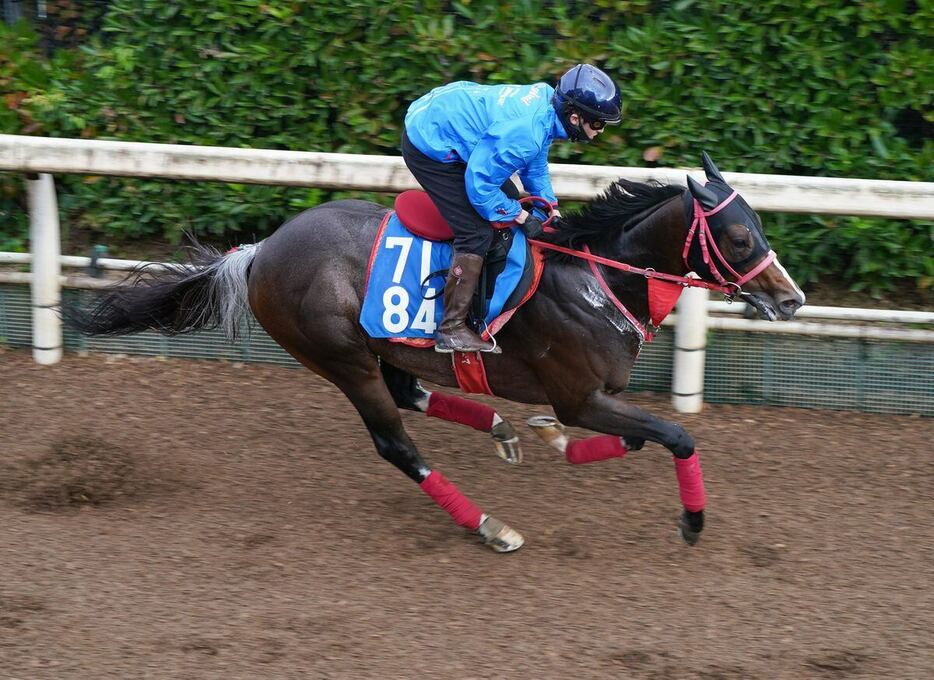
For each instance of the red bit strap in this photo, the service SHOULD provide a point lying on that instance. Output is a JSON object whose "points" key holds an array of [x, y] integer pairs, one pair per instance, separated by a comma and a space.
{"points": [[691, 483], [459, 410], [449, 497], [595, 449]]}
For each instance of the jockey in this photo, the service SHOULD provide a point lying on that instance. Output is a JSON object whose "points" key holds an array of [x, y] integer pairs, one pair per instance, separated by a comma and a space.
{"points": [[464, 141]]}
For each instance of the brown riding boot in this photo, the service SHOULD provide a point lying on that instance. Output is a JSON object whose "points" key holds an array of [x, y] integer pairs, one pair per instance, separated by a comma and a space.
{"points": [[453, 335]]}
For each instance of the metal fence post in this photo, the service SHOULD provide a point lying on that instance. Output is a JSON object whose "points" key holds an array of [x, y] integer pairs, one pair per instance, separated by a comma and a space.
{"points": [[45, 244], [687, 377]]}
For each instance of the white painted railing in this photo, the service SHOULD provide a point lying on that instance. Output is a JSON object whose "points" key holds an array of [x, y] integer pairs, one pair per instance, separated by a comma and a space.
{"points": [[40, 156], [770, 193]]}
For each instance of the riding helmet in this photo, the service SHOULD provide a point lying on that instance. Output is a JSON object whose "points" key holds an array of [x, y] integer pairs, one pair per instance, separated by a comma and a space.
{"points": [[587, 90]]}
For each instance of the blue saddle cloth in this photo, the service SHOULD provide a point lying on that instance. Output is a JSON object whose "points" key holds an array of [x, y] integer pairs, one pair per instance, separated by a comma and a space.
{"points": [[398, 305]]}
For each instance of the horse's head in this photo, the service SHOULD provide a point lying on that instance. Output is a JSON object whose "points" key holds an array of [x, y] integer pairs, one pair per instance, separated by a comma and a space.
{"points": [[727, 245]]}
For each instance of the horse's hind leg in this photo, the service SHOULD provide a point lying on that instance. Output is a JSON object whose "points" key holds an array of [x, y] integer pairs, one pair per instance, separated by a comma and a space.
{"points": [[408, 394], [367, 390]]}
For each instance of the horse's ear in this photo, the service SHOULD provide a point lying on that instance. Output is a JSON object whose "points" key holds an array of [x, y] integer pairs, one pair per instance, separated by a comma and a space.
{"points": [[713, 174], [707, 198]]}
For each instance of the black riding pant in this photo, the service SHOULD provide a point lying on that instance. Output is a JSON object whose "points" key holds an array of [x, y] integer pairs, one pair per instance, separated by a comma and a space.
{"points": [[445, 184]]}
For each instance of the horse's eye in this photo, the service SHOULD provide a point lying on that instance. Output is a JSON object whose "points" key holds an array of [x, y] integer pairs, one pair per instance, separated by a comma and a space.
{"points": [[740, 243]]}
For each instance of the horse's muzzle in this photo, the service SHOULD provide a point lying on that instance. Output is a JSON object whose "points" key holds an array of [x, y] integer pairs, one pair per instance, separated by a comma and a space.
{"points": [[772, 309]]}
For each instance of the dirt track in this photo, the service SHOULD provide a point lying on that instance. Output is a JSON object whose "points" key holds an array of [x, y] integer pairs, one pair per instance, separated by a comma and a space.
{"points": [[245, 528]]}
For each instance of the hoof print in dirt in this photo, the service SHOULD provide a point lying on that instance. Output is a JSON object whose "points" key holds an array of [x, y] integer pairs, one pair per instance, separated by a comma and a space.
{"points": [[761, 555], [15, 610], [839, 664], [73, 472]]}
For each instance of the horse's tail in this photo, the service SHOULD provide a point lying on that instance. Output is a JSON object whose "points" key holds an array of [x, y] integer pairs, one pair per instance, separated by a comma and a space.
{"points": [[174, 298]]}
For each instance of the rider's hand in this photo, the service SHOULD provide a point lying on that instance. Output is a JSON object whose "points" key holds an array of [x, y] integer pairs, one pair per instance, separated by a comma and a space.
{"points": [[533, 227]]}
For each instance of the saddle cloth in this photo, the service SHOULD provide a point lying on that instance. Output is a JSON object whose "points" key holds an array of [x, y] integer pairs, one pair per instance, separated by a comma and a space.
{"points": [[400, 300]]}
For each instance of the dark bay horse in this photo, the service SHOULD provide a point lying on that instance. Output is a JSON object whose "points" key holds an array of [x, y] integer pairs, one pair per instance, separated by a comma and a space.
{"points": [[572, 345]]}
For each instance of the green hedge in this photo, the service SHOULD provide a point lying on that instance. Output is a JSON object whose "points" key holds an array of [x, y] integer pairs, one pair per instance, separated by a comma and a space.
{"points": [[822, 87]]}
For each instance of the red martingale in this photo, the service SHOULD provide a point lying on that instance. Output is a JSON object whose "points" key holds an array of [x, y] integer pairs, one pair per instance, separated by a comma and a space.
{"points": [[663, 296]]}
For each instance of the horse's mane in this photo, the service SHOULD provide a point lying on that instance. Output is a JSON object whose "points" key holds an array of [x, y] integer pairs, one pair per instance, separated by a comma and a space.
{"points": [[601, 219]]}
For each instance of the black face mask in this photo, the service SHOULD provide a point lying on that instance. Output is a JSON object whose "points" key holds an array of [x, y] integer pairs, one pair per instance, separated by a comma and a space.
{"points": [[711, 195]]}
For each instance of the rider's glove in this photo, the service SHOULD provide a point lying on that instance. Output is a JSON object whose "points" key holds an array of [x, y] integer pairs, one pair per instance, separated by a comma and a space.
{"points": [[533, 227]]}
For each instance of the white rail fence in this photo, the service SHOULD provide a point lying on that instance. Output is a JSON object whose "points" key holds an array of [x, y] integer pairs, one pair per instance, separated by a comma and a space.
{"points": [[38, 157]]}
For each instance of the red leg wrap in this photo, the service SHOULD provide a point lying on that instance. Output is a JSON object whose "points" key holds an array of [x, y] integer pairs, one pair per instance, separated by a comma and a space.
{"points": [[460, 410], [691, 483], [595, 448], [449, 497]]}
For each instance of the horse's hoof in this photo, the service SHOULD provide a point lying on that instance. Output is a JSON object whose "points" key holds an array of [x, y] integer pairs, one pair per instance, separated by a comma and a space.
{"points": [[550, 430], [690, 525], [499, 536], [506, 442]]}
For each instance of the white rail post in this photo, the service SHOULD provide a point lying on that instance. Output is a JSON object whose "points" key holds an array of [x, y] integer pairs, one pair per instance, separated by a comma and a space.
{"points": [[687, 379], [45, 243]]}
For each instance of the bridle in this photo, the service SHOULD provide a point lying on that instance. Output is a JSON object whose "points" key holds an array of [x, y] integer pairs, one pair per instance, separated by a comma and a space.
{"points": [[699, 227], [708, 243]]}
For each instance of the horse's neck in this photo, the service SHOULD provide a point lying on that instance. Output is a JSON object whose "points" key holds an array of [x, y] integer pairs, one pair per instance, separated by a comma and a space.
{"points": [[655, 243], [658, 240]]}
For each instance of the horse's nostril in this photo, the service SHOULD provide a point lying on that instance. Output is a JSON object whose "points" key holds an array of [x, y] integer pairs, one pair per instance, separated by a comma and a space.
{"points": [[790, 305]]}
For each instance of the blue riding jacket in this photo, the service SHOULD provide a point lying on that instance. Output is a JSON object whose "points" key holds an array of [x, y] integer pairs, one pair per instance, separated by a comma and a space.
{"points": [[496, 130]]}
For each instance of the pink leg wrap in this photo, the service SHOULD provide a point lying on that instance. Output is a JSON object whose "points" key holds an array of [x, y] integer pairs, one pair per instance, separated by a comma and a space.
{"points": [[460, 410], [445, 494], [691, 483], [595, 448]]}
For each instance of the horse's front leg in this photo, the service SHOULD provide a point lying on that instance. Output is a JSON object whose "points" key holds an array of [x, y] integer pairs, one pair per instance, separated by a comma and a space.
{"points": [[627, 428]]}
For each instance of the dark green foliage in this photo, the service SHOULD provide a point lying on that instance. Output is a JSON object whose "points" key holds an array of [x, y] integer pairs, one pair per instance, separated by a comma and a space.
{"points": [[22, 73], [822, 87]]}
